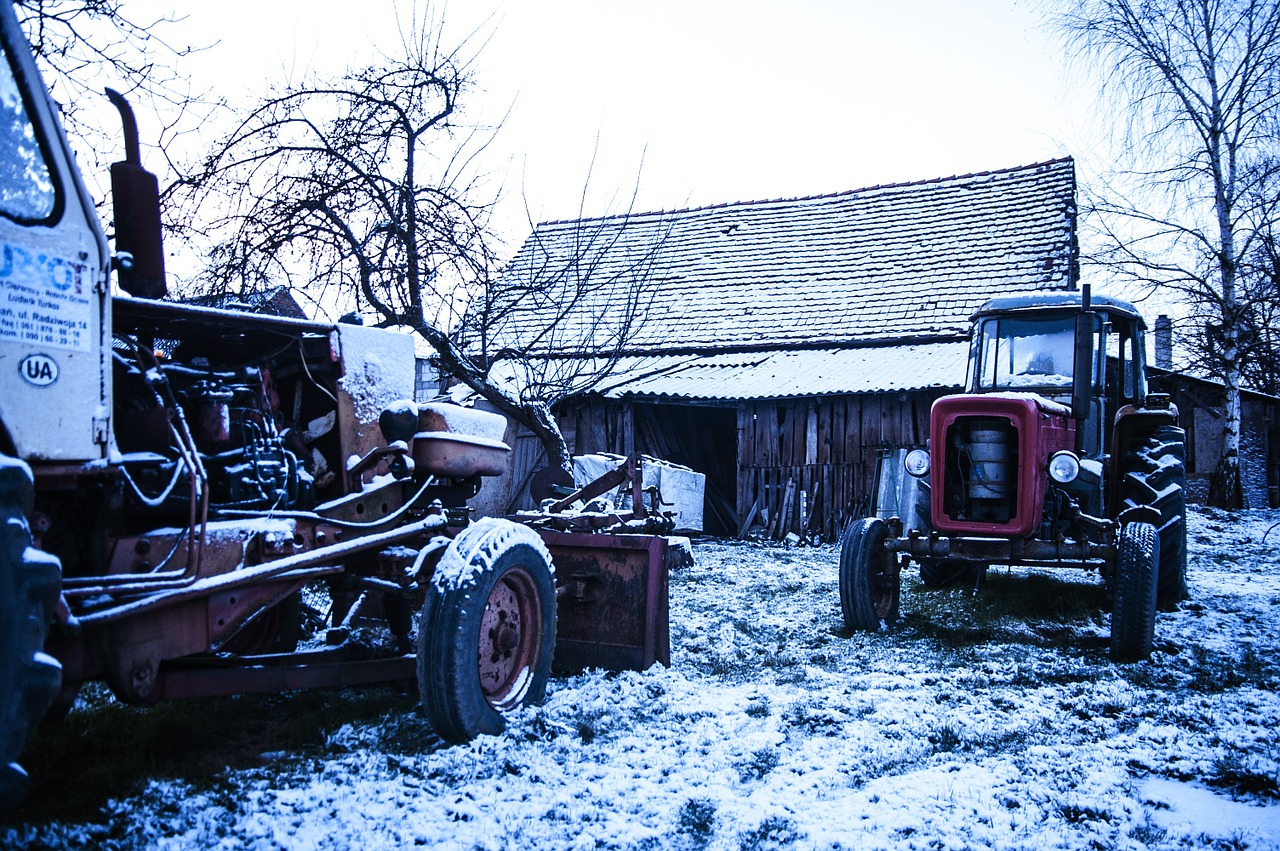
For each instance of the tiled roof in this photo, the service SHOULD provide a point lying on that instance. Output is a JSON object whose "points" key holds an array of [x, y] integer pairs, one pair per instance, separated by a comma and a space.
{"points": [[904, 261], [275, 301]]}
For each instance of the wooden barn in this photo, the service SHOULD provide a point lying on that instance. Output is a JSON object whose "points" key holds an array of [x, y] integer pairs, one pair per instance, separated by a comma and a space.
{"points": [[787, 345]]}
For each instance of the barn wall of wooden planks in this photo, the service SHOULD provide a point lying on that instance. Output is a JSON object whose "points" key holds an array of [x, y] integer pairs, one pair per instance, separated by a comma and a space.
{"points": [[790, 466]]}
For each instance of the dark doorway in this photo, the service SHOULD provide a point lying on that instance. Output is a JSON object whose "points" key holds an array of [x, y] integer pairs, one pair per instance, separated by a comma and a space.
{"points": [[705, 439]]}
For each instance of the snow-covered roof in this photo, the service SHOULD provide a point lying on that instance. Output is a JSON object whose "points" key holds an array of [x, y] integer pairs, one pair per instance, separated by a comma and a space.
{"points": [[905, 261], [789, 374], [762, 374], [273, 301]]}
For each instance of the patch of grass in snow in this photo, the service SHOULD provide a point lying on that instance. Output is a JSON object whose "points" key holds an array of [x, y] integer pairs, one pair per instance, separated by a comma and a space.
{"points": [[1041, 610], [597, 720], [1246, 774], [1205, 842], [1075, 812], [1148, 834], [697, 821], [1212, 670], [104, 749], [760, 763], [773, 832], [945, 739], [816, 719]]}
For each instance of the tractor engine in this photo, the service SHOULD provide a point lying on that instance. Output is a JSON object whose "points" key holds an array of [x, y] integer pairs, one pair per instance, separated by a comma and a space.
{"points": [[228, 419], [989, 458]]}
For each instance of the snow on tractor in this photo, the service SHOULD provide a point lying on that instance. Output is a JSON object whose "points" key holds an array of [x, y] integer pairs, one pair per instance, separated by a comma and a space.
{"points": [[1056, 456], [188, 494]]}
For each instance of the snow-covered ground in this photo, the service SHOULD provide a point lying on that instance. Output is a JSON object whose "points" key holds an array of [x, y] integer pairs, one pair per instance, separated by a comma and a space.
{"points": [[988, 722]]}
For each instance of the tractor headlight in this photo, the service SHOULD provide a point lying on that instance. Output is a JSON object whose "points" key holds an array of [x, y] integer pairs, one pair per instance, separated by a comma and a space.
{"points": [[917, 462], [1064, 466]]}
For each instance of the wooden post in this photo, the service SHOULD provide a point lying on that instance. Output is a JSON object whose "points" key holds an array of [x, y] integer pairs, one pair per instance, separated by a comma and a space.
{"points": [[784, 516], [745, 526]]}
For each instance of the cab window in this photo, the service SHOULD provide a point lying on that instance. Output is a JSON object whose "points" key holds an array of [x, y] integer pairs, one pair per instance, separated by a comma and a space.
{"points": [[1024, 352], [27, 191]]}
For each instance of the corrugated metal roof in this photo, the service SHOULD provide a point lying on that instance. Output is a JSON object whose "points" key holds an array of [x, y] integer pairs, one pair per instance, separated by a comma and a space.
{"points": [[782, 374], [909, 260]]}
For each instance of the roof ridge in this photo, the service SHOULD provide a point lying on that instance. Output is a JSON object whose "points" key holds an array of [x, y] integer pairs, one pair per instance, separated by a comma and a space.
{"points": [[844, 193]]}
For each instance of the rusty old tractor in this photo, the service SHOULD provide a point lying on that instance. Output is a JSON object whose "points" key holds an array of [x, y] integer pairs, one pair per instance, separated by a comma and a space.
{"points": [[1057, 456], [197, 501]]}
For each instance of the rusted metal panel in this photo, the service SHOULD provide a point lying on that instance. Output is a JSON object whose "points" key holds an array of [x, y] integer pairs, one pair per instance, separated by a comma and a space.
{"points": [[264, 674], [612, 608]]}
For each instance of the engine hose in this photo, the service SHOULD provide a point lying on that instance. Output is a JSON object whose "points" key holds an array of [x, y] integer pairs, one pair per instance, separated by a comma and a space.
{"points": [[157, 501], [303, 353]]}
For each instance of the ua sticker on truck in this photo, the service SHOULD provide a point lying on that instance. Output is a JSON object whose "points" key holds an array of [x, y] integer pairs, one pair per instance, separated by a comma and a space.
{"points": [[39, 370]]}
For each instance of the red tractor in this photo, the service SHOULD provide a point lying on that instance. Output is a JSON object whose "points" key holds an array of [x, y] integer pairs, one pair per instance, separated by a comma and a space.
{"points": [[199, 502], [1056, 456]]}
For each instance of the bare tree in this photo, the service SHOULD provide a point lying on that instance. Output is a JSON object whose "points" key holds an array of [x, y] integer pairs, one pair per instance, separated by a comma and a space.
{"points": [[1258, 309], [364, 192], [1197, 83], [78, 42], [560, 317]]}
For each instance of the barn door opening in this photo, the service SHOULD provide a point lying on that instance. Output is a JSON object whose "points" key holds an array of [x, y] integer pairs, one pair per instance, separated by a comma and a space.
{"points": [[703, 438]]}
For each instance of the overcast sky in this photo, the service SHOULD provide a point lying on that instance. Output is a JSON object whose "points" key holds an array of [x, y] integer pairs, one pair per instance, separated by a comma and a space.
{"points": [[722, 101]]}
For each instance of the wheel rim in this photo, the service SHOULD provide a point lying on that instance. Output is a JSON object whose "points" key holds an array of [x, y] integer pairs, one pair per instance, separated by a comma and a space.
{"points": [[510, 636], [884, 585]]}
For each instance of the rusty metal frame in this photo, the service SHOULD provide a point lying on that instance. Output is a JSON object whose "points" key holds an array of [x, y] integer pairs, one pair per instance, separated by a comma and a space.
{"points": [[301, 567], [612, 607], [285, 672]]}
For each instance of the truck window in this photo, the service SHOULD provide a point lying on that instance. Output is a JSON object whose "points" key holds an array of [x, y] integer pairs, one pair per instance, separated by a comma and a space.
{"points": [[27, 191], [1026, 352]]}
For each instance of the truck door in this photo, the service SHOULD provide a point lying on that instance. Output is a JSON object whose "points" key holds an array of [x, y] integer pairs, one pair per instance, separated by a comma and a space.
{"points": [[54, 305]]}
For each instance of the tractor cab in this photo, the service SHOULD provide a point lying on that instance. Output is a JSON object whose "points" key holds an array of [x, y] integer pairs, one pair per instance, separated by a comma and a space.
{"points": [[1030, 344]]}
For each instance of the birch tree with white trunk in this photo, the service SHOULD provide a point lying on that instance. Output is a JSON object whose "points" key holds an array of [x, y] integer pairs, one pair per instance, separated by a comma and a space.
{"points": [[1195, 87]]}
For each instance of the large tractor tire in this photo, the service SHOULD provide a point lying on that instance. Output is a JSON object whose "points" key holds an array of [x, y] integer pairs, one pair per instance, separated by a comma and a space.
{"points": [[1133, 613], [487, 630], [870, 584], [29, 587], [1155, 474]]}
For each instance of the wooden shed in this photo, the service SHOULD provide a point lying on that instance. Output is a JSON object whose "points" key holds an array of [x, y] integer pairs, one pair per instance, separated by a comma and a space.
{"points": [[1201, 408], [791, 343]]}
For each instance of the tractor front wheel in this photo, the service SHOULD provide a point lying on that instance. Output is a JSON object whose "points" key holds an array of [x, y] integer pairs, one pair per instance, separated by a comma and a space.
{"points": [[29, 582], [487, 630], [1133, 612], [870, 586]]}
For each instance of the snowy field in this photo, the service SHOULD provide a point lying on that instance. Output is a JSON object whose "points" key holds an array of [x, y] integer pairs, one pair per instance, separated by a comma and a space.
{"points": [[994, 721]]}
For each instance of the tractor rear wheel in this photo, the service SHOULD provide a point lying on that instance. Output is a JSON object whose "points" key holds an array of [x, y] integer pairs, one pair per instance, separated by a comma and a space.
{"points": [[1133, 613], [1155, 474], [487, 630], [29, 583], [870, 586]]}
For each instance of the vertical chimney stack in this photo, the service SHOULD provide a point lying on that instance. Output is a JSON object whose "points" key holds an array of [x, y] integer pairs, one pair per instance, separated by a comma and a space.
{"points": [[1164, 342]]}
